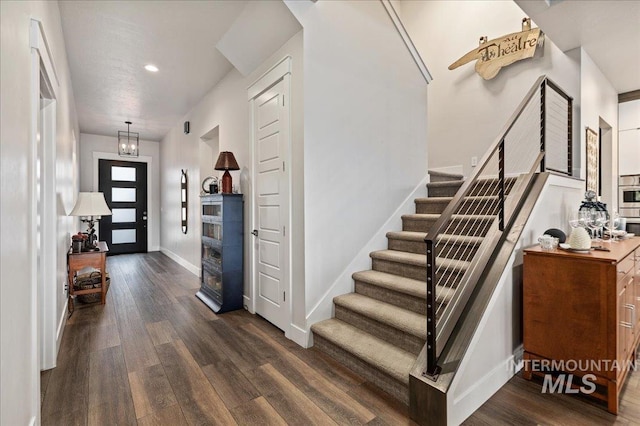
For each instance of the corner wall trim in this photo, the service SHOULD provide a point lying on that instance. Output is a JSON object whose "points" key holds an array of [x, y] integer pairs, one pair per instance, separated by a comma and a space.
{"points": [[402, 31], [180, 261]]}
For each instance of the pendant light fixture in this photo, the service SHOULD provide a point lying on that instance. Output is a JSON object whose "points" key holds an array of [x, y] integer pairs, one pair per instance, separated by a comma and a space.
{"points": [[128, 143]]}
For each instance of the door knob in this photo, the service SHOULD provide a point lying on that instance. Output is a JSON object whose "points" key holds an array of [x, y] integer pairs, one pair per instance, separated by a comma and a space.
{"points": [[255, 232]]}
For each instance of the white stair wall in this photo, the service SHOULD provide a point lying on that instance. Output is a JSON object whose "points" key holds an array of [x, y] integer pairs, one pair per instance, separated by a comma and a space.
{"points": [[362, 261]]}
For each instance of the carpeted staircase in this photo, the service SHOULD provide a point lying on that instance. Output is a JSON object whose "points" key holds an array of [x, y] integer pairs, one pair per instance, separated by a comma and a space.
{"points": [[379, 330]]}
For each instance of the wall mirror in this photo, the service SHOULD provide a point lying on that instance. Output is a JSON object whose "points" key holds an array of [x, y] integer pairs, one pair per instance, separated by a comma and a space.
{"points": [[184, 181]]}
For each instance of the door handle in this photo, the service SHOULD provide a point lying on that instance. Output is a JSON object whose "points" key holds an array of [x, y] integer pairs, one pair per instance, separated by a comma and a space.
{"points": [[255, 232]]}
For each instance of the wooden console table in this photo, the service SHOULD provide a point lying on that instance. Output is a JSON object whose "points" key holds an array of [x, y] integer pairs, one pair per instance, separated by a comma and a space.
{"points": [[582, 311], [88, 259]]}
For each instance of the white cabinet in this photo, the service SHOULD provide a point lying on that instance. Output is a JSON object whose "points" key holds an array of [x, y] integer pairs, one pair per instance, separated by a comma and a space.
{"points": [[629, 115], [629, 138], [629, 146]]}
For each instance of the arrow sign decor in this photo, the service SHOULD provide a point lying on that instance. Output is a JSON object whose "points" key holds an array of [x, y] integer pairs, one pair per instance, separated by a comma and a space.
{"points": [[494, 54]]}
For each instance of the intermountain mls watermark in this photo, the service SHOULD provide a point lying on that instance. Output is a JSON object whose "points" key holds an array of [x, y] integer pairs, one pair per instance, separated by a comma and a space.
{"points": [[582, 380]]}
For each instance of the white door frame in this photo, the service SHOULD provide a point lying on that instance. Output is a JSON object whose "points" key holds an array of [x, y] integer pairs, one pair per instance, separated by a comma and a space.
{"points": [[46, 328], [280, 71]]}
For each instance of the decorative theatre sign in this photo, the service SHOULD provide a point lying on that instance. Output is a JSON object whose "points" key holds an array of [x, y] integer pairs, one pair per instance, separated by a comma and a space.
{"points": [[494, 54]]}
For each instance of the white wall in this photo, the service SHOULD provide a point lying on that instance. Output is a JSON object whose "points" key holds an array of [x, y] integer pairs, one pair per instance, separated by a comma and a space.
{"points": [[19, 375], [227, 108], [100, 146], [496, 347], [364, 130], [600, 101], [466, 112]]}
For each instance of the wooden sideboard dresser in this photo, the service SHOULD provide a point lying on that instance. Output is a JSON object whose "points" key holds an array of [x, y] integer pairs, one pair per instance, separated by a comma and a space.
{"points": [[582, 311]]}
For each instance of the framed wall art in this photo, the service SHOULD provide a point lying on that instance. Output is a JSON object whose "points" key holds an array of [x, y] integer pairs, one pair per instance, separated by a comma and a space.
{"points": [[593, 160]]}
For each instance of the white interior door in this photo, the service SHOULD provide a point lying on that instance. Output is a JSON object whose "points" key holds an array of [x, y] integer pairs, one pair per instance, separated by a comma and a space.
{"points": [[270, 111]]}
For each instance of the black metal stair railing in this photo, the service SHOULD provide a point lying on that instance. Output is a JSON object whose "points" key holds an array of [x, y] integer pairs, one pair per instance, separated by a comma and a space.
{"points": [[485, 206]]}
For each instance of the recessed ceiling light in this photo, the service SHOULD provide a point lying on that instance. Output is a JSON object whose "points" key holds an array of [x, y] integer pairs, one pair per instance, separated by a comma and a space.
{"points": [[151, 68]]}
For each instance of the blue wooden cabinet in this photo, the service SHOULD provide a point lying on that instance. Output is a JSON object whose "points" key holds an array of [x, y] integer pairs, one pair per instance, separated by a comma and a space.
{"points": [[221, 283]]}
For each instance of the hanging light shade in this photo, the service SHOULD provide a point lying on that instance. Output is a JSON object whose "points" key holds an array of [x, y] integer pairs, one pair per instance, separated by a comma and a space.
{"points": [[128, 143]]}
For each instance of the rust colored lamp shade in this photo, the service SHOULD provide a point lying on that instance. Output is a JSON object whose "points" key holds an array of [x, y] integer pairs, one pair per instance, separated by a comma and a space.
{"points": [[226, 161]]}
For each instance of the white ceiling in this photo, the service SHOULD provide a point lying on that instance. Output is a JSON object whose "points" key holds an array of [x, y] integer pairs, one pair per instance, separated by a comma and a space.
{"points": [[108, 44], [608, 30]]}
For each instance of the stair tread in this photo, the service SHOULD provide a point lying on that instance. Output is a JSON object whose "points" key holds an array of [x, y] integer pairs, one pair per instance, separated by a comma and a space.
{"points": [[418, 259], [445, 183], [420, 236], [394, 316], [388, 358], [468, 197], [432, 216], [433, 200], [397, 283], [451, 175], [405, 285]]}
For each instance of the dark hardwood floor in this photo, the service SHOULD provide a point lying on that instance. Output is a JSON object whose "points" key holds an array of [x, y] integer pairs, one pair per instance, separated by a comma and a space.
{"points": [[156, 355]]}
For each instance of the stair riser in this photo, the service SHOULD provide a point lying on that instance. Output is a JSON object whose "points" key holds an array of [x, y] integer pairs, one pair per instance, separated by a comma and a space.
{"points": [[402, 300], [450, 250], [417, 225], [463, 251], [415, 272], [467, 227], [382, 331], [480, 188], [431, 207], [418, 247], [443, 191], [398, 390], [442, 178], [491, 187]]}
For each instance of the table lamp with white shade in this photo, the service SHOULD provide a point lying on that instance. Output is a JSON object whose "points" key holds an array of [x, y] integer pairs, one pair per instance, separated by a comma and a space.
{"points": [[90, 206]]}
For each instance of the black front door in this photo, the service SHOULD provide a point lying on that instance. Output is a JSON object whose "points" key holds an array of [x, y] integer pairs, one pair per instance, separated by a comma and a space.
{"points": [[124, 184]]}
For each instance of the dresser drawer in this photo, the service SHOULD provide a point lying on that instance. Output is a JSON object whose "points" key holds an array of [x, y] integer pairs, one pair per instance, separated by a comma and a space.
{"points": [[625, 265]]}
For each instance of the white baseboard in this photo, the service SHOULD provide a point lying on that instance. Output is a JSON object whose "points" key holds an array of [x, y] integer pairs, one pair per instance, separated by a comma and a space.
{"points": [[474, 396], [298, 335], [182, 262], [154, 248], [361, 261], [61, 323], [248, 305]]}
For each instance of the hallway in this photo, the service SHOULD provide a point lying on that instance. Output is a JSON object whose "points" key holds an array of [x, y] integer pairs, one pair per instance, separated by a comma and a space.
{"points": [[156, 355]]}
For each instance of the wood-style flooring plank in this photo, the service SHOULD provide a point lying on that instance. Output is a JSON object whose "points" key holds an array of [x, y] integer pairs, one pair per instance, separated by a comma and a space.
{"points": [[161, 332], [103, 336], [45, 375], [196, 307], [199, 401], [331, 399], [68, 386], [169, 416], [257, 412], [110, 401], [289, 401], [386, 408], [151, 390], [197, 335], [229, 382]]}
